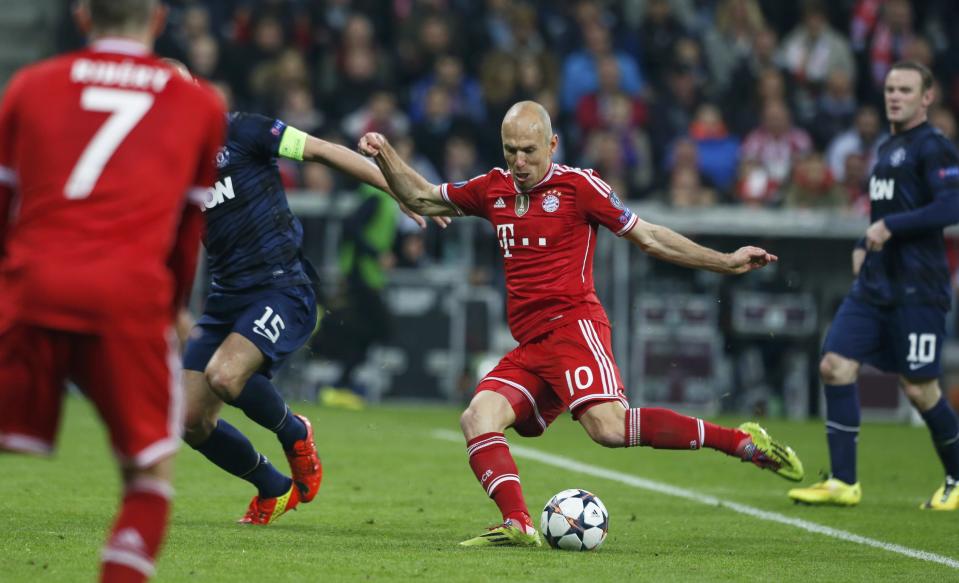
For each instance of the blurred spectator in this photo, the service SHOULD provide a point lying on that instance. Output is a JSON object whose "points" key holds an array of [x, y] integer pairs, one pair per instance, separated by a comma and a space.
{"points": [[438, 124], [592, 111], [686, 190], [943, 120], [464, 91], [672, 111], [813, 187], [379, 114], [754, 186], [730, 40], [243, 62], [579, 75], [776, 143], [659, 32], [411, 251], [534, 73], [272, 79], [718, 150], [855, 182], [299, 110], [203, 57], [406, 148], [751, 77], [889, 38], [318, 179], [813, 49], [461, 159], [863, 139], [620, 149], [835, 108]]}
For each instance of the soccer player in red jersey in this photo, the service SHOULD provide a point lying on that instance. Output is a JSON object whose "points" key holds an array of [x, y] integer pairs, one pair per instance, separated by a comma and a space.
{"points": [[546, 217], [99, 152]]}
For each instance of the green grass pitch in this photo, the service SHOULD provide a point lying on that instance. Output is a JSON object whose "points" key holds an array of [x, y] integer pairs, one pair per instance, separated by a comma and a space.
{"points": [[396, 500]]}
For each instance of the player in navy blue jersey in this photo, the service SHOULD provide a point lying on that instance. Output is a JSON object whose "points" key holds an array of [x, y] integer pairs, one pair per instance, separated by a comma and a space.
{"points": [[894, 315], [261, 309]]}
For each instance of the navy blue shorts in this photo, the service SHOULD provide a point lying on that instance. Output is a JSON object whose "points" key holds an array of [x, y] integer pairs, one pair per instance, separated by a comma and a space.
{"points": [[278, 321], [904, 339]]}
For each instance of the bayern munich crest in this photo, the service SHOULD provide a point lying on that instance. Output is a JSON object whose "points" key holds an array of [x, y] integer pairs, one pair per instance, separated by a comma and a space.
{"points": [[550, 202]]}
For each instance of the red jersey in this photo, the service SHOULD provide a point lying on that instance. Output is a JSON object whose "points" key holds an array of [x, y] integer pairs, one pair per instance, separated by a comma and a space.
{"points": [[547, 237], [100, 148]]}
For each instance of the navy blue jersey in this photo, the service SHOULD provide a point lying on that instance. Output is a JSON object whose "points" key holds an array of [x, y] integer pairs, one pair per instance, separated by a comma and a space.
{"points": [[914, 187], [252, 238]]}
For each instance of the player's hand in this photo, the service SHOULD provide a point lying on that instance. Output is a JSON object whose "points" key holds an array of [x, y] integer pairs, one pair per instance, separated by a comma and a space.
{"points": [[441, 222], [858, 256], [876, 235], [749, 258], [371, 144]]}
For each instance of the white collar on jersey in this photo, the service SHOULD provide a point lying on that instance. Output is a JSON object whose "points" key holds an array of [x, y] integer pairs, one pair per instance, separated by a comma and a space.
{"points": [[116, 44], [549, 175]]}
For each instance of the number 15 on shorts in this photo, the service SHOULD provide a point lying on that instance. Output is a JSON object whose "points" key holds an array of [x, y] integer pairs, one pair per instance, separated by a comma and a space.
{"points": [[276, 324]]}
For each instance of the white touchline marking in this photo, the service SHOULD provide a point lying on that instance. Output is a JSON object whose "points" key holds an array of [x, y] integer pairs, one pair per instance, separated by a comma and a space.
{"points": [[669, 490]]}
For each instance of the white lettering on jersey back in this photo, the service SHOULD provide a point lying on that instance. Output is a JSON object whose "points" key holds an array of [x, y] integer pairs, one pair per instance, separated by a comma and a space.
{"points": [[220, 193], [123, 74], [881, 188]]}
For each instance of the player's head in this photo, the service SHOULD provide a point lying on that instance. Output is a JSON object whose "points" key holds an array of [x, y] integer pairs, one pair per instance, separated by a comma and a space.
{"points": [[528, 143], [141, 20], [908, 93]]}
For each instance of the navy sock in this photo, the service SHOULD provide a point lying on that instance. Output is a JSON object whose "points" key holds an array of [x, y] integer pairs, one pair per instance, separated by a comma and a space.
{"points": [[262, 403], [232, 451], [944, 428], [842, 430]]}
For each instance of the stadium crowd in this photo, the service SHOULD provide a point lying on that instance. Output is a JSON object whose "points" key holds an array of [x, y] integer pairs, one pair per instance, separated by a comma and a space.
{"points": [[690, 102]]}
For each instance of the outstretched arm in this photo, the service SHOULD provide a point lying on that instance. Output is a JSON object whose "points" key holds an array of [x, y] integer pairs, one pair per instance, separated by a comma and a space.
{"points": [[668, 245], [351, 163], [407, 185]]}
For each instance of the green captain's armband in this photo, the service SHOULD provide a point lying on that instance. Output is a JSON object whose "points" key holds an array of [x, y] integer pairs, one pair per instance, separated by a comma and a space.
{"points": [[293, 143]]}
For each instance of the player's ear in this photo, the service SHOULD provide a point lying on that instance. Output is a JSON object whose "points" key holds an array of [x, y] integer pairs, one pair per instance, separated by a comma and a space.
{"points": [[81, 16], [553, 143], [158, 20]]}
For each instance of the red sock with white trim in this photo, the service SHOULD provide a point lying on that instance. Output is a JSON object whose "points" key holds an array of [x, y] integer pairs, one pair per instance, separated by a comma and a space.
{"points": [[665, 429], [496, 471], [129, 554]]}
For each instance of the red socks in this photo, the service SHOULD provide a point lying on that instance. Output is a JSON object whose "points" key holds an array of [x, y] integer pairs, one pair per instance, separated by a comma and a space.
{"points": [[496, 471], [130, 552], [666, 429]]}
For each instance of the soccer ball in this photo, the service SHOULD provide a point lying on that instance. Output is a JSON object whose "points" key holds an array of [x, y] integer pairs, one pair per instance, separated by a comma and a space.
{"points": [[574, 520]]}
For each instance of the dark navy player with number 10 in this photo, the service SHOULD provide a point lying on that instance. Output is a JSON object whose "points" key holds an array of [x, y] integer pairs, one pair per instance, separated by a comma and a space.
{"points": [[894, 316]]}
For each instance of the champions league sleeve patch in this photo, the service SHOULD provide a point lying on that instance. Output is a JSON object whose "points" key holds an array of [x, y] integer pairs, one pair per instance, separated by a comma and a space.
{"points": [[277, 128], [614, 200], [949, 172]]}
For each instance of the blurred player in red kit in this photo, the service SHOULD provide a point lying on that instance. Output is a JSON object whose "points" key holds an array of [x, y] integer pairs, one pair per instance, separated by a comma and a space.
{"points": [[546, 217], [100, 151]]}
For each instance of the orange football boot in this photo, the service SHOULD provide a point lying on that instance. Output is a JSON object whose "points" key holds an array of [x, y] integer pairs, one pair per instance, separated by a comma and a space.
{"points": [[265, 510], [305, 464]]}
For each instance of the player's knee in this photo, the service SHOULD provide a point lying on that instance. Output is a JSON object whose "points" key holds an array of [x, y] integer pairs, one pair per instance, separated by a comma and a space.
{"points": [[478, 419], [224, 383], [608, 434], [836, 370], [923, 396], [197, 426]]}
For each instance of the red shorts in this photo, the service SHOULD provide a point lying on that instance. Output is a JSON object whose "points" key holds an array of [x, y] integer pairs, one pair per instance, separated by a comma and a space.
{"points": [[571, 367], [134, 382]]}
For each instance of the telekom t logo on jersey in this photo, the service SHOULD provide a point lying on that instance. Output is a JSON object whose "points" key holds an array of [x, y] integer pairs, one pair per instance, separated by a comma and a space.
{"points": [[507, 240]]}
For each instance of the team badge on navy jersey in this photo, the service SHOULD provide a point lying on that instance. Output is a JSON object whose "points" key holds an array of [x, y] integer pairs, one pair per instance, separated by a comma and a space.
{"points": [[522, 204], [551, 201], [222, 158], [897, 157]]}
